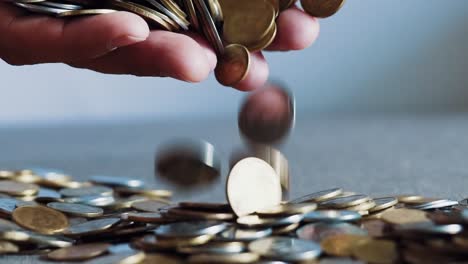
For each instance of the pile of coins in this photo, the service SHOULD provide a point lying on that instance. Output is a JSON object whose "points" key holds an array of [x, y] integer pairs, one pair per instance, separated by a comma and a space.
{"points": [[119, 220], [232, 27]]}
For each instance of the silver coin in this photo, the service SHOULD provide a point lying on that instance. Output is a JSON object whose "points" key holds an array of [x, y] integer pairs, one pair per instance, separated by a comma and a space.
{"points": [[91, 227], [319, 196], [383, 203], [7, 205], [60, 5], [117, 181], [343, 202], [48, 193], [209, 27], [87, 191], [52, 241], [168, 13], [47, 173], [319, 231], [435, 204], [430, 228], [190, 229], [255, 221], [286, 248], [40, 9], [214, 248], [77, 209], [243, 234], [92, 200], [331, 216], [188, 162], [120, 248], [260, 123]]}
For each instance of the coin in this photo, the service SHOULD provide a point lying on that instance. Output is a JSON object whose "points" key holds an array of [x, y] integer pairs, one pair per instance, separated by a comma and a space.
{"points": [[7, 205], [362, 207], [246, 257], [288, 209], [383, 203], [322, 8], [342, 245], [188, 162], [61, 6], [217, 207], [284, 230], [181, 21], [255, 221], [430, 228], [150, 193], [192, 14], [376, 251], [331, 216], [17, 188], [244, 234], [122, 258], [41, 10], [285, 248], [375, 228], [434, 204], [8, 247], [249, 22], [320, 231], [91, 200], [208, 26], [40, 219], [233, 65], [91, 227], [243, 180], [158, 20], [145, 217], [79, 253], [319, 196], [343, 202], [404, 216], [148, 206], [117, 181], [87, 191], [76, 209], [151, 242], [214, 248], [198, 215], [190, 229]]}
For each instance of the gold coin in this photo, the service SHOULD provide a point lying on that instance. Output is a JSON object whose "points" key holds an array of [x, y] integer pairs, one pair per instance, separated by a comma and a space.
{"points": [[376, 251], [18, 188], [8, 247], [322, 8], [85, 12], [342, 245], [249, 22], [174, 8], [149, 206], [404, 216], [233, 66], [151, 15], [215, 10], [224, 258], [276, 6], [79, 252], [266, 41], [40, 219]]}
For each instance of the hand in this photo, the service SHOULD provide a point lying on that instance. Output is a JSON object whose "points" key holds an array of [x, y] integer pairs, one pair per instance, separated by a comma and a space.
{"points": [[121, 43]]}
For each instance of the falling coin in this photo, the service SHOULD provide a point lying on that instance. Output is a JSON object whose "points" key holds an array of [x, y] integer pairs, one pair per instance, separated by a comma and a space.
{"points": [[243, 193]]}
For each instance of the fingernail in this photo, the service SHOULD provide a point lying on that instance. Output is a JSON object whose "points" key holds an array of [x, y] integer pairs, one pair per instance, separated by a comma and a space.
{"points": [[124, 41]]}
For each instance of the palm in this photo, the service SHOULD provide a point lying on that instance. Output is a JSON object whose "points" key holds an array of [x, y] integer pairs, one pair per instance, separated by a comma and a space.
{"points": [[121, 43]]}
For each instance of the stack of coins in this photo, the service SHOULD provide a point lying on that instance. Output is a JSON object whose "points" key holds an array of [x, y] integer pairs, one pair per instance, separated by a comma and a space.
{"points": [[232, 27], [119, 220]]}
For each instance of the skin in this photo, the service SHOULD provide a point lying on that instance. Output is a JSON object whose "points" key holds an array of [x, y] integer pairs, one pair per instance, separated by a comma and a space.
{"points": [[122, 43]]}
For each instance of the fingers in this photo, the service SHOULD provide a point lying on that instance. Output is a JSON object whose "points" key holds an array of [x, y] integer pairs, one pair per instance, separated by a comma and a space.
{"points": [[40, 39], [163, 53], [296, 30], [258, 73]]}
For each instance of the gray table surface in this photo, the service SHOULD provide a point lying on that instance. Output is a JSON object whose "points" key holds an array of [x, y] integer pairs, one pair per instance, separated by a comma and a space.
{"points": [[374, 154]]}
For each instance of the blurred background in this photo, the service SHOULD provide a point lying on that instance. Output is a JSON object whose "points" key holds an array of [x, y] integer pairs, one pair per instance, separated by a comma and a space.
{"points": [[373, 56]]}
